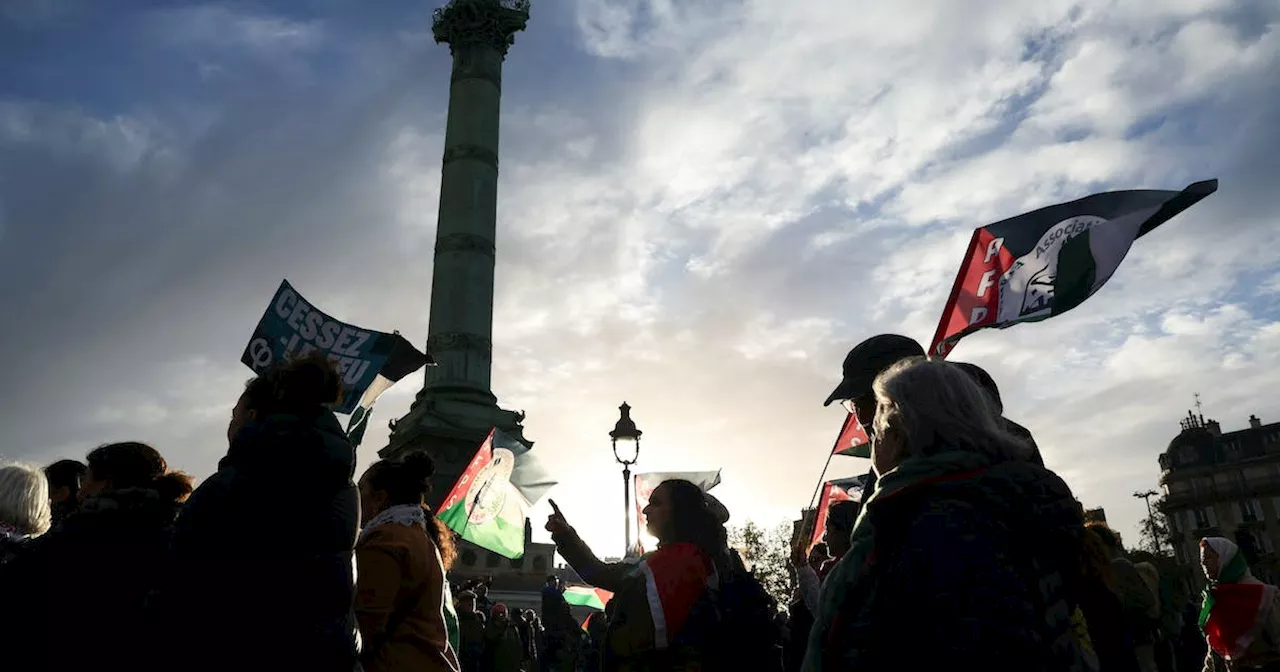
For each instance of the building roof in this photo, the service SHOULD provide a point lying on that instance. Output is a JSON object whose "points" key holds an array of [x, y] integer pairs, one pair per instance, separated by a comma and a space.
{"points": [[1202, 443]]}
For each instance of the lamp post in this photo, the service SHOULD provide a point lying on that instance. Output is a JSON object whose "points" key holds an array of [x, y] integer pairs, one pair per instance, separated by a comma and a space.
{"points": [[1151, 522], [626, 450]]}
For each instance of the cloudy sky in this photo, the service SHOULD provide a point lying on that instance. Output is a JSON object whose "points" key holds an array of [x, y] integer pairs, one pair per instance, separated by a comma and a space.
{"points": [[703, 205]]}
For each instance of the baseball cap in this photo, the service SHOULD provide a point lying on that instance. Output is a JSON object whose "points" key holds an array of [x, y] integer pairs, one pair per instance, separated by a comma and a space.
{"points": [[869, 359]]}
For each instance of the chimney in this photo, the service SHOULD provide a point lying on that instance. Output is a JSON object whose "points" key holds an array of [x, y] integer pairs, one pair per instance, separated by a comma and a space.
{"points": [[1254, 422], [1213, 427]]}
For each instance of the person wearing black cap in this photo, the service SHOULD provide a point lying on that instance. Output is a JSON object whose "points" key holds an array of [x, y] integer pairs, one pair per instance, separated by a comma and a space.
{"points": [[864, 362], [993, 393]]}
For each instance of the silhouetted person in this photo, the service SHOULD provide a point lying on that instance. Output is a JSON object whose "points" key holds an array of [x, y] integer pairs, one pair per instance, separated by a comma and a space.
{"points": [[106, 558], [263, 552], [404, 552], [966, 554]]}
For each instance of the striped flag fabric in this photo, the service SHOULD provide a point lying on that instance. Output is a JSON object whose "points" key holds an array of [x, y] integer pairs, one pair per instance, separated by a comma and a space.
{"points": [[852, 440], [587, 596], [490, 502], [403, 360], [834, 492], [1043, 263]]}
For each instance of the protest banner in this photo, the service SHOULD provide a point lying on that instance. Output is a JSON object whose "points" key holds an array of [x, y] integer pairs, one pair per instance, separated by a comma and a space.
{"points": [[293, 327]]}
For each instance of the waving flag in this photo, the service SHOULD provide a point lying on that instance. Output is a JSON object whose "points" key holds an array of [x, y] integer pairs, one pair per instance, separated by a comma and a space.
{"points": [[834, 492], [853, 440], [587, 596], [1044, 263], [489, 504]]}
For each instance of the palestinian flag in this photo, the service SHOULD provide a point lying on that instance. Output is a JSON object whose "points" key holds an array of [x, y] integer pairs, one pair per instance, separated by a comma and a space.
{"points": [[489, 504], [1043, 263], [1237, 614], [853, 440], [644, 485], [834, 492], [403, 360], [586, 596]]}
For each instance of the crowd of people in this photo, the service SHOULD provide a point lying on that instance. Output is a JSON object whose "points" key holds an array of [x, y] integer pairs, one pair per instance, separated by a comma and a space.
{"points": [[964, 551]]}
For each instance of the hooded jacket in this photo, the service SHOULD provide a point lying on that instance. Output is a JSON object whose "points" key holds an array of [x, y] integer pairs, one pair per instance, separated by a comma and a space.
{"points": [[958, 561], [262, 555]]}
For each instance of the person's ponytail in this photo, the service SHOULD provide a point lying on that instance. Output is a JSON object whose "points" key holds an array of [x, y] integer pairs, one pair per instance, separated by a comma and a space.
{"points": [[174, 486], [407, 480]]}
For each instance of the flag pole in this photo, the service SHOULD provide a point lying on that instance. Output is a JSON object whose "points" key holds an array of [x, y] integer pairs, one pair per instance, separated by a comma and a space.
{"points": [[950, 306]]}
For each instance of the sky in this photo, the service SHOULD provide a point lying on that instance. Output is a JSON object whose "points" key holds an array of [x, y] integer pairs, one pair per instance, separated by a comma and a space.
{"points": [[703, 205]]}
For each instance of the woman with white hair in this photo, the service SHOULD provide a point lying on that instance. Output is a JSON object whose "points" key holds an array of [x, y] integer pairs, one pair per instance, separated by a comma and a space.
{"points": [[966, 552], [24, 508]]}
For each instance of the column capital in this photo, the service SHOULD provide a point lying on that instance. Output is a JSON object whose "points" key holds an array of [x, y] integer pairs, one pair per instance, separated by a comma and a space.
{"points": [[489, 23]]}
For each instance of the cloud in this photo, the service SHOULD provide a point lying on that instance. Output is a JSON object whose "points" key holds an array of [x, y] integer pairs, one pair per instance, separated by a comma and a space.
{"points": [[702, 205]]}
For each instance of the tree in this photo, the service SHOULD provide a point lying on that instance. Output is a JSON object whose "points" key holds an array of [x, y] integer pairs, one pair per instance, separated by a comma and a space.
{"points": [[1155, 530], [767, 554]]}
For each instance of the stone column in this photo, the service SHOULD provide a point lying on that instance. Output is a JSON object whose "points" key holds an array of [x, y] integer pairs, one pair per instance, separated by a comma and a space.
{"points": [[460, 336], [457, 407]]}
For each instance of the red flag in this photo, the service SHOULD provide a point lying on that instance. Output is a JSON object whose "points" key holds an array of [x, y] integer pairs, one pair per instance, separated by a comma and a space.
{"points": [[853, 440], [483, 457], [831, 495]]}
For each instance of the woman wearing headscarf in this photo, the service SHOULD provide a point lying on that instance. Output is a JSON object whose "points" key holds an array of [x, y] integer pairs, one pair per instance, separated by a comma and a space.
{"points": [[966, 554], [1238, 616], [403, 605]]}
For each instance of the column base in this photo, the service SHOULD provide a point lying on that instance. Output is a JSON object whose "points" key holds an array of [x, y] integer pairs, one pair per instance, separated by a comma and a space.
{"points": [[450, 426]]}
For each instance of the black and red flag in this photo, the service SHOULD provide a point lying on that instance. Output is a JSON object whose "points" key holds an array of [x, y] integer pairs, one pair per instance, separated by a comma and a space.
{"points": [[1043, 263]]}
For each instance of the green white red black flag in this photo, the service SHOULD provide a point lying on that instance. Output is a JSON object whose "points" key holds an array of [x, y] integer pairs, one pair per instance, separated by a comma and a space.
{"points": [[1043, 263]]}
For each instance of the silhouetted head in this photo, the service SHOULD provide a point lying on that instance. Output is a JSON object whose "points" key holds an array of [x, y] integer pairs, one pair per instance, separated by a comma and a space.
{"points": [[678, 512], [299, 386], [65, 477], [840, 520], [120, 466], [387, 483], [928, 405], [24, 501]]}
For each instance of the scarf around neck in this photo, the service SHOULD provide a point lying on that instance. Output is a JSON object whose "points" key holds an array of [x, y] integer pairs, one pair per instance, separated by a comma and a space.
{"points": [[853, 567], [400, 514], [1235, 604]]}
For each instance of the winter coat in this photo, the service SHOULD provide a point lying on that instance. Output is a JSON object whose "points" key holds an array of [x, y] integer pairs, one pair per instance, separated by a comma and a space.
{"points": [[503, 649], [262, 554], [958, 561], [671, 581], [86, 584], [471, 629], [400, 601]]}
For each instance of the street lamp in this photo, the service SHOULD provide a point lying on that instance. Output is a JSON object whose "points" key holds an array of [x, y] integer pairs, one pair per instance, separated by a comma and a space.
{"points": [[626, 450], [1151, 521]]}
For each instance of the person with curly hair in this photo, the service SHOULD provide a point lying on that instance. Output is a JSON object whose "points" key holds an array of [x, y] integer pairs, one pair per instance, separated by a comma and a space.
{"points": [[403, 602]]}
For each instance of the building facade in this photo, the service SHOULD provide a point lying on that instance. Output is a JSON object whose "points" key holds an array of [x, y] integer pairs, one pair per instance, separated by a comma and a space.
{"points": [[1223, 484]]}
